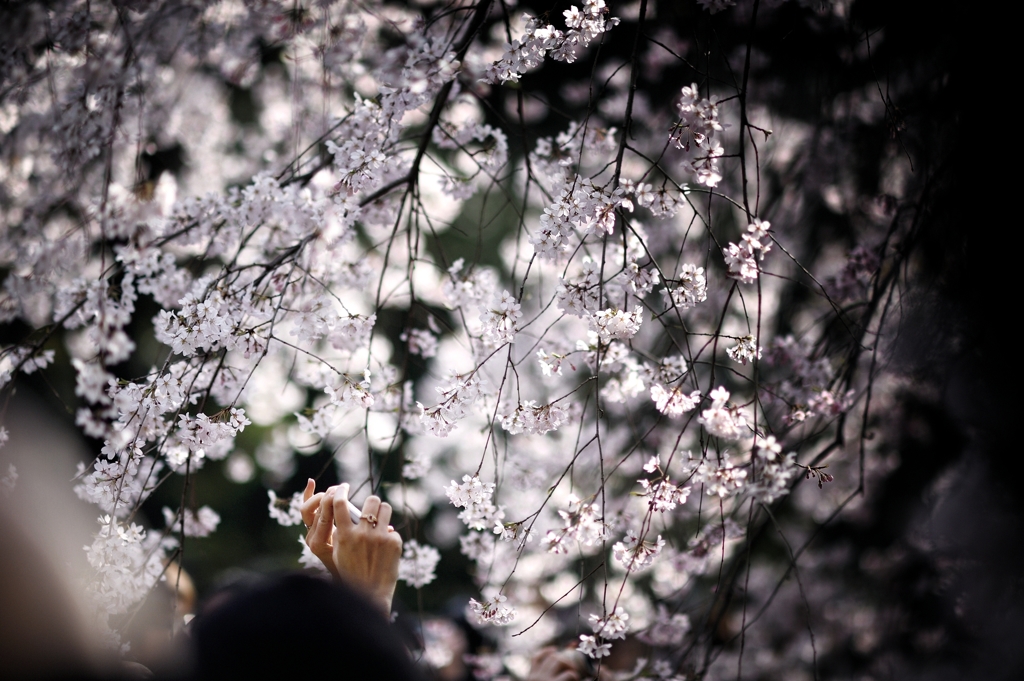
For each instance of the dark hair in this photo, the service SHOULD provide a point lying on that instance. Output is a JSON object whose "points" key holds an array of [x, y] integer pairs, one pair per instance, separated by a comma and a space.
{"points": [[299, 626]]}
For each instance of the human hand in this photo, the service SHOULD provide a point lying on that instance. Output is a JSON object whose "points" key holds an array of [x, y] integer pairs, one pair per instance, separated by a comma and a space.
{"points": [[319, 524], [367, 554], [364, 554], [551, 664]]}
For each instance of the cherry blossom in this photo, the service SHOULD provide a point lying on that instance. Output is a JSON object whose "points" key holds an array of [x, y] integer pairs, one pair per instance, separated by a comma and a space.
{"points": [[459, 239], [492, 610], [418, 563]]}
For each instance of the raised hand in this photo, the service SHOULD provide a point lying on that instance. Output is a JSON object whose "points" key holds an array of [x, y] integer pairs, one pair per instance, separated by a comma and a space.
{"points": [[364, 554], [318, 515], [367, 554]]}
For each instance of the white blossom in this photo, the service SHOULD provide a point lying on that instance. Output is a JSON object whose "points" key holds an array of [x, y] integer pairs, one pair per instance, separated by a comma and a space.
{"points": [[773, 470], [674, 401], [692, 288], [529, 418], [308, 559], [613, 626], [742, 260], [286, 512], [636, 554], [492, 610], [417, 565], [725, 479], [349, 390], [441, 418], [591, 648], [499, 320], [694, 135], [614, 324], [473, 496], [468, 289], [201, 523], [550, 364], [527, 52], [663, 495], [478, 546], [745, 350], [722, 420]]}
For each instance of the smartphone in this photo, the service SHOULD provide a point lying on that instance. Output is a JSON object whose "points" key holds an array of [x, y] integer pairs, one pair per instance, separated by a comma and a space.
{"points": [[354, 513]]}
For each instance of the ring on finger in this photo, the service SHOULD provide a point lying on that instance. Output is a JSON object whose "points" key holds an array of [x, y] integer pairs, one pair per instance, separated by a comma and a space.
{"points": [[371, 517]]}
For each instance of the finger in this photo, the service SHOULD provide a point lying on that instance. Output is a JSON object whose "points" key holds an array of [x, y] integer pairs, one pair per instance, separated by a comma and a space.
{"points": [[319, 537], [327, 508], [384, 514], [339, 508], [353, 513], [309, 508], [371, 507], [391, 528], [310, 488]]}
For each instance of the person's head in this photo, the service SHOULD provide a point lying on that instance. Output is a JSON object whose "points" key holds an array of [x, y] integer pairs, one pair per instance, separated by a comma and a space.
{"points": [[297, 625]]}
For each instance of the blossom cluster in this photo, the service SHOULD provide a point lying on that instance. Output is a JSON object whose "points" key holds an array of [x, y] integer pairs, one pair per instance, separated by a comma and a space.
{"points": [[199, 523], [742, 259], [635, 553], [582, 208], [538, 40], [500, 320], [418, 564], [529, 418], [692, 288], [694, 135], [745, 350], [441, 418], [474, 497], [581, 523], [774, 470], [805, 386], [663, 495], [492, 610], [348, 221], [613, 626], [722, 420]]}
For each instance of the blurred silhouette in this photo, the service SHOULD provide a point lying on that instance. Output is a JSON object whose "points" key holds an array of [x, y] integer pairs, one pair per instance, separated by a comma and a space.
{"points": [[297, 624], [40, 638]]}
